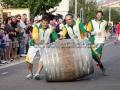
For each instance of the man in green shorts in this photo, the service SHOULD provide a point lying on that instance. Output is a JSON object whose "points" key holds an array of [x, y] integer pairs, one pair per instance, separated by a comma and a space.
{"points": [[97, 28]]}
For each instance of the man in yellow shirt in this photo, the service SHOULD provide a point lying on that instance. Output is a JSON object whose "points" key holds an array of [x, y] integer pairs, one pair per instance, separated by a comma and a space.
{"points": [[40, 36], [97, 28]]}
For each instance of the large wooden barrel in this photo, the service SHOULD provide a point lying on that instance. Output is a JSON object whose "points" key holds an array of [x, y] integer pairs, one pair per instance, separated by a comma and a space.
{"points": [[67, 60]]}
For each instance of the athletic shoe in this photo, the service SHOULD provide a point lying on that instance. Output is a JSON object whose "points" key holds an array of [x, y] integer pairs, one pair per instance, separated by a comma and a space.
{"points": [[115, 42], [8, 62], [23, 55], [3, 61], [97, 65], [105, 73], [29, 76], [37, 76], [1, 64]]}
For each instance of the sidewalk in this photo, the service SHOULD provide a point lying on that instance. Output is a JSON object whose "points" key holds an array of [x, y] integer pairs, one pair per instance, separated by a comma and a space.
{"points": [[15, 62]]}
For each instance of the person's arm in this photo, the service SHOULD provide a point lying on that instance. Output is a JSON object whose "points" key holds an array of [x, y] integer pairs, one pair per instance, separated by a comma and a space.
{"points": [[35, 35], [2, 38], [54, 35], [64, 32], [107, 26], [89, 27], [7, 28], [23, 26], [82, 28]]}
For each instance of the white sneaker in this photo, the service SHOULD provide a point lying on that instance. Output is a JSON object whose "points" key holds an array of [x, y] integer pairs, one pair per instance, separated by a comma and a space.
{"points": [[23, 55], [3, 61], [29, 76], [1, 64], [37, 76]]}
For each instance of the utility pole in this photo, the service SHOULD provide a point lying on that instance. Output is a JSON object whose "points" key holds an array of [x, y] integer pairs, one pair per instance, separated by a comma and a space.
{"points": [[75, 8], [109, 1]]}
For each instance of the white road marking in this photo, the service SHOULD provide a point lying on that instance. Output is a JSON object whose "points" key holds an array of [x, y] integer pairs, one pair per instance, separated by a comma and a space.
{"points": [[4, 73], [108, 43]]}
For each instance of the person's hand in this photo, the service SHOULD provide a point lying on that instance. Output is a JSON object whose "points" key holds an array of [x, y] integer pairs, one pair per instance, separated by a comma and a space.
{"points": [[42, 42], [9, 40], [86, 38], [16, 29], [57, 40], [12, 33], [26, 27], [93, 33], [22, 31], [15, 33], [61, 37]]}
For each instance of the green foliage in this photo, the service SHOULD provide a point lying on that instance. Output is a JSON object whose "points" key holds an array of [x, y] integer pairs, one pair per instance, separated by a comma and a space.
{"points": [[35, 6], [90, 8], [115, 15]]}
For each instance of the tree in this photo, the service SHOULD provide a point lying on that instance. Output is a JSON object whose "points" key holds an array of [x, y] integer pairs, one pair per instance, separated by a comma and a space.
{"points": [[35, 6], [115, 15], [90, 8]]}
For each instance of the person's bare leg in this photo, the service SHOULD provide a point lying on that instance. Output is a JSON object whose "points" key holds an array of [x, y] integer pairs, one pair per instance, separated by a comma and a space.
{"points": [[6, 55], [40, 66], [30, 67], [99, 60], [16, 49], [105, 73], [13, 52]]}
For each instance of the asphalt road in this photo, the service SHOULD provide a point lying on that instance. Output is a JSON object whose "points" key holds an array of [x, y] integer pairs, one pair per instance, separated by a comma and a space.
{"points": [[13, 76]]}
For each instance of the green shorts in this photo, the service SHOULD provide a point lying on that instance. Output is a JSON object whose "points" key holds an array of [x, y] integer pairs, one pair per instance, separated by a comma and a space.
{"points": [[96, 51]]}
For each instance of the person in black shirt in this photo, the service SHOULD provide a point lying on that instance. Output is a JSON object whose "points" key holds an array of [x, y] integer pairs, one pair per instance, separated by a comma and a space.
{"points": [[9, 28]]}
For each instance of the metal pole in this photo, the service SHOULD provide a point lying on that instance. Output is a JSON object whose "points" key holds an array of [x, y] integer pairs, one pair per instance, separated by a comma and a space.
{"points": [[76, 8], [109, 10]]}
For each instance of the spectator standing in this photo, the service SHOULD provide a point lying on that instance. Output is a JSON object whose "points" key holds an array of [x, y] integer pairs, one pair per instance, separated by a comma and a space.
{"points": [[28, 32], [118, 33], [2, 25], [2, 46], [22, 44], [111, 30], [54, 23], [10, 29], [18, 17], [51, 22], [1, 49], [6, 39], [34, 23], [114, 28], [59, 27], [15, 44]]}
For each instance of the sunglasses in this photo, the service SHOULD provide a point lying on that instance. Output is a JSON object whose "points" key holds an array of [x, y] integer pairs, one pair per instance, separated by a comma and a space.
{"points": [[18, 18]]}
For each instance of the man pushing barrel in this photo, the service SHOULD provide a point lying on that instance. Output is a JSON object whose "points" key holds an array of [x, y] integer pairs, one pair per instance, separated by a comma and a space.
{"points": [[40, 36], [75, 29]]}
